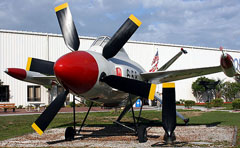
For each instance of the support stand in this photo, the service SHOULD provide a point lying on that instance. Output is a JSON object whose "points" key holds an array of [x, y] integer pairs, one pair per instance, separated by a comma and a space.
{"points": [[140, 112], [133, 115], [70, 132], [85, 117], [140, 131], [74, 114]]}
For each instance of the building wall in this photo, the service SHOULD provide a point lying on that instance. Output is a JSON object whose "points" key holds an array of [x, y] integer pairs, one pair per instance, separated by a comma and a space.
{"points": [[195, 58], [16, 47]]}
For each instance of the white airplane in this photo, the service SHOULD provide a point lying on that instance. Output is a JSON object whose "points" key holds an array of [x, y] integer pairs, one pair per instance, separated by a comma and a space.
{"points": [[104, 73]]}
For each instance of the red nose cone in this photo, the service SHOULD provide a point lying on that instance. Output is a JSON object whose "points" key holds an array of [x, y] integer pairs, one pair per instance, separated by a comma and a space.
{"points": [[226, 61], [77, 71], [17, 73]]}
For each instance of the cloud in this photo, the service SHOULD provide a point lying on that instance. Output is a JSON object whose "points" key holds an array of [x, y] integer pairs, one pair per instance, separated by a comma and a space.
{"points": [[199, 23], [208, 23]]}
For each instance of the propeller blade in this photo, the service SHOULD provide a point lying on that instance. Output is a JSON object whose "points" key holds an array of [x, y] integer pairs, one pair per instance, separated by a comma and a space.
{"points": [[169, 111], [135, 87], [41, 66], [121, 37], [67, 26], [47, 116]]}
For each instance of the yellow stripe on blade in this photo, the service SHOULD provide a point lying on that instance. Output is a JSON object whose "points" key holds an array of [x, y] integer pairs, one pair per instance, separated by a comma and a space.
{"points": [[58, 8], [152, 91], [37, 129], [29, 63], [135, 20], [168, 85]]}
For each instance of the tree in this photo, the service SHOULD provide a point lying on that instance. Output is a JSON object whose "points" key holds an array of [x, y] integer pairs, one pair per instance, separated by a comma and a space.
{"points": [[219, 89], [226, 90], [201, 93], [231, 89]]}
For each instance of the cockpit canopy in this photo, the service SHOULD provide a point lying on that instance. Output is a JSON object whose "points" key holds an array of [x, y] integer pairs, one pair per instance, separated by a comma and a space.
{"points": [[101, 41], [99, 44]]}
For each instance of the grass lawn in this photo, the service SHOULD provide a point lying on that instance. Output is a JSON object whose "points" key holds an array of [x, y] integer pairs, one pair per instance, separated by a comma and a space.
{"points": [[12, 126]]}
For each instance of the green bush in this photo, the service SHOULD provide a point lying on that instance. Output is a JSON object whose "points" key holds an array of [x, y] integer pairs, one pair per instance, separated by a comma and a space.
{"points": [[217, 102], [178, 102], [76, 105], [189, 103], [208, 105], [71, 104], [88, 103], [20, 107], [236, 104], [182, 101]]}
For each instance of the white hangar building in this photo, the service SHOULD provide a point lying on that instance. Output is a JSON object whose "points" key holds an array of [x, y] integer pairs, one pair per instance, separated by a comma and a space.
{"points": [[17, 46]]}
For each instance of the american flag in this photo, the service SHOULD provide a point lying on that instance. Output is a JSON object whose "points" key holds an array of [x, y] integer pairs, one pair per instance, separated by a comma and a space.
{"points": [[154, 68], [155, 59], [154, 63]]}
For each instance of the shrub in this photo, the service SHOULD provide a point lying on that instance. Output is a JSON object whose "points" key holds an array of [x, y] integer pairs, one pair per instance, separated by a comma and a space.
{"points": [[76, 104], [20, 107], [189, 103], [182, 101], [178, 102], [71, 104], [208, 105], [88, 103], [217, 102], [236, 104]]}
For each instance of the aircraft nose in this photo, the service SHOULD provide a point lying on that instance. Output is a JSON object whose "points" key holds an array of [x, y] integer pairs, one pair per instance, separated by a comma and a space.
{"points": [[77, 71]]}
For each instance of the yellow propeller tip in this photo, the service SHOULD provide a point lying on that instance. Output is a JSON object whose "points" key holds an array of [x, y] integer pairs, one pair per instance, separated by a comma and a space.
{"points": [[60, 7], [135, 20], [37, 129]]}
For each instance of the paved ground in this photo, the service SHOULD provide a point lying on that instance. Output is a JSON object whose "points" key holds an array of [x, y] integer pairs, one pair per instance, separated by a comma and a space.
{"points": [[115, 136]]}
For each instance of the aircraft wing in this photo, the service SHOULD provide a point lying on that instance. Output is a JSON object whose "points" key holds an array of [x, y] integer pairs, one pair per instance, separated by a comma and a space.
{"points": [[173, 75], [45, 78], [31, 76]]}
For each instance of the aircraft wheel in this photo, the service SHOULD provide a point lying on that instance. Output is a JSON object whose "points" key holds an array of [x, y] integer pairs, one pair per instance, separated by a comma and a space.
{"points": [[69, 133], [142, 134]]}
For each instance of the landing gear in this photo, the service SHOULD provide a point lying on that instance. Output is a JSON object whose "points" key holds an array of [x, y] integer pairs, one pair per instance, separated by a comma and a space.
{"points": [[140, 131], [142, 134], [69, 134]]}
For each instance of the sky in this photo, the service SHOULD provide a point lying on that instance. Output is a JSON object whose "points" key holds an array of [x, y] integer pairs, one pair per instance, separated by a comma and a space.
{"points": [[207, 23]]}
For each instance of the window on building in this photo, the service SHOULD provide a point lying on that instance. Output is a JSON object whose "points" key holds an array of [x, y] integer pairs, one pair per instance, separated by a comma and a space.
{"points": [[4, 93], [34, 93]]}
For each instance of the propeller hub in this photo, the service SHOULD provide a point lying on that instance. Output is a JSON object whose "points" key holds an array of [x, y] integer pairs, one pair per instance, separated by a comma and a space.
{"points": [[77, 71], [226, 61]]}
